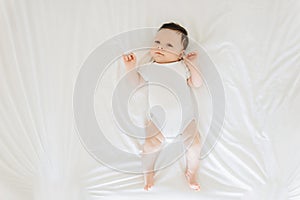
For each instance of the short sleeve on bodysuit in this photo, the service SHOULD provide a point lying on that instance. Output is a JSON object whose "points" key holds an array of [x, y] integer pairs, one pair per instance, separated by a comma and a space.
{"points": [[142, 70]]}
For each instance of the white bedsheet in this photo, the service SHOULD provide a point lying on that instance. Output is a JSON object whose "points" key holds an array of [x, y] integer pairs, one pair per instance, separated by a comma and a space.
{"points": [[255, 46]]}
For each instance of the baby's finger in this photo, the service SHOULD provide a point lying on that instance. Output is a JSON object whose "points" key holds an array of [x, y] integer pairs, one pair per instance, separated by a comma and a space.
{"points": [[128, 57], [132, 56], [195, 53]]}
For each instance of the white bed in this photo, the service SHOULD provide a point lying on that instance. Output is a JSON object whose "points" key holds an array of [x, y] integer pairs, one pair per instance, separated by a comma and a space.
{"points": [[255, 46]]}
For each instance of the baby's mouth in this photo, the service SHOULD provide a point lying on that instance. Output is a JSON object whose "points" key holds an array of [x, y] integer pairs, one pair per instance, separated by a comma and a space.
{"points": [[159, 53]]}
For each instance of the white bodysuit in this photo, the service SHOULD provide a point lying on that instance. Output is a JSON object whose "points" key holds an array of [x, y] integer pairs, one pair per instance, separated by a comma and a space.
{"points": [[168, 89]]}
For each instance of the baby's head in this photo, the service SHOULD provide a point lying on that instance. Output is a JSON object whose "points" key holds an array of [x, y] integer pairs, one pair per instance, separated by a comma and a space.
{"points": [[169, 43]]}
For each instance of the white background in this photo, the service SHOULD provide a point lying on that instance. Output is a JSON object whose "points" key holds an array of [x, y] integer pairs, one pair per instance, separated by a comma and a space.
{"points": [[255, 45]]}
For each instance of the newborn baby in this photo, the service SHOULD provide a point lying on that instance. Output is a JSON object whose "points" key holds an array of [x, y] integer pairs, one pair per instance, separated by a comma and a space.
{"points": [[167, 52]]}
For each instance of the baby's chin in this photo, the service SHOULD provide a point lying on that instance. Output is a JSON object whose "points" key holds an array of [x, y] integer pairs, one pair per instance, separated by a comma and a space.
{"points": [[164, 58]]}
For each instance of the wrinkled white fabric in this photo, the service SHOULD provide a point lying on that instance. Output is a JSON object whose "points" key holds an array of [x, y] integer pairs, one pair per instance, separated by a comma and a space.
{"points": [[254, 45]]}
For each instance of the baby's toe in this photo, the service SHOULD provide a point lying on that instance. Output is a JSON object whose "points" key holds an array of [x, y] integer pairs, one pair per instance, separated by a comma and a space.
{"points": [[195, 187], [148, 187]]}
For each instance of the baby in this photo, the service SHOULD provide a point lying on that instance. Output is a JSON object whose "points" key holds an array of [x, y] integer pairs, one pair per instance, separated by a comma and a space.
{"points": [[168, 51]]}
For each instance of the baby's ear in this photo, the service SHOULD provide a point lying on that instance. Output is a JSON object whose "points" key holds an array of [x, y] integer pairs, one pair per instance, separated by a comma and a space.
{"points": [[182, 54]]}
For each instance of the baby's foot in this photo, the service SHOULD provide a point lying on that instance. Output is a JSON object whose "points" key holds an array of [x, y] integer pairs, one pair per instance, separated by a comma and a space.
{"points": [[149, 180], [192, 180]]}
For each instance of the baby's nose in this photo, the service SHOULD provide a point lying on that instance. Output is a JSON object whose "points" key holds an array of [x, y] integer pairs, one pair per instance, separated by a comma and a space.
{"points": [[159, 47]]}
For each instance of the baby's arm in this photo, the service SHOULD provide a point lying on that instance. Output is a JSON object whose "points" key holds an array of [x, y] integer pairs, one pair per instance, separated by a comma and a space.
{"points": [[130, 64], [195, 79]]}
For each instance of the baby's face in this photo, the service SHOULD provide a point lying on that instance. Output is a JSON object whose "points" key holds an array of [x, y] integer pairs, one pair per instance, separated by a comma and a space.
{"points": [[167, 46]]}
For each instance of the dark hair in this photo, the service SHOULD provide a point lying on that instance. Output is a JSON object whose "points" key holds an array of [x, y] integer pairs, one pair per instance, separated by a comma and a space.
{"points": [[177, 27]]}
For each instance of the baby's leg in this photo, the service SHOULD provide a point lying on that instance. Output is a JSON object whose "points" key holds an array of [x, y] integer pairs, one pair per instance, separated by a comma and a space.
{"points": [[151, 150], [192, 143]]}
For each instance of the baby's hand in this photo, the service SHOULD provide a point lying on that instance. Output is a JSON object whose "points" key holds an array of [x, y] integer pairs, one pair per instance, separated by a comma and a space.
{"points": [[129, 60], [191, 57]]}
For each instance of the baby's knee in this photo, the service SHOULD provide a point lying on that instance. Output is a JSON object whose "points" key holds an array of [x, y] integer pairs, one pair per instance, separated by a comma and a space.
{"points": [[151, 146], [195, 146]]}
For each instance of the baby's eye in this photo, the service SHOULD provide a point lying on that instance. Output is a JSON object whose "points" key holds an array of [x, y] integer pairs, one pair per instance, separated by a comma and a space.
{"points": [[169, 45], [157, 42]]}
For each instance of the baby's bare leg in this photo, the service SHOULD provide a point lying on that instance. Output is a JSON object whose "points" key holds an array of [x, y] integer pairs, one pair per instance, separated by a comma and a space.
{"points": [[192, 143], [151, 150]]}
